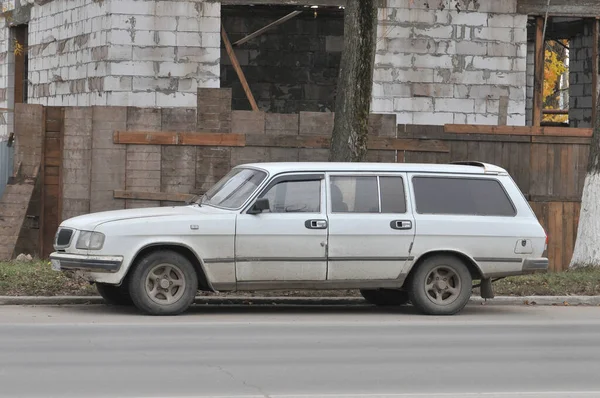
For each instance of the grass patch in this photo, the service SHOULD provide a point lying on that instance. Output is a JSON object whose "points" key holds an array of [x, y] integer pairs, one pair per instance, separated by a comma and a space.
{"points": [[36, 278]]}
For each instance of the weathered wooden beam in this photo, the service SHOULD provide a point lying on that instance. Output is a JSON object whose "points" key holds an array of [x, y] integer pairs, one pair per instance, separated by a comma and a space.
{"points": [[566, 8], [178, 138], [238, 69], [158, 196], [400, 144], [538, 86], [561, 140], [517, 130], [266, 28], [287, 141]]}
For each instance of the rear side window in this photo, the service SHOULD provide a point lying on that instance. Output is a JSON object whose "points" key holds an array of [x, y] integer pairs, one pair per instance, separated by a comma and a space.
{"points": [[354, 194], [393, 199], [461, 196]]}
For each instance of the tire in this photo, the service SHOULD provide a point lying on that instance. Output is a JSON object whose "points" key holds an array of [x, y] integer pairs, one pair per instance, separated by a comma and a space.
{"points": [[114, 295], [386, 297], [433, 296], [163, 283]]}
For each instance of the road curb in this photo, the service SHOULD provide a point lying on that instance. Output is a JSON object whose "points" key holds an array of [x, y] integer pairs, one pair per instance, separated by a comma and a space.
{"points": [[218, 300]]}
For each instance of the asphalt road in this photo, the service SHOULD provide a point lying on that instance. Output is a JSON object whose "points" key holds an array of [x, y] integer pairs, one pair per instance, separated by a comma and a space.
{"points": [[98, 351]]}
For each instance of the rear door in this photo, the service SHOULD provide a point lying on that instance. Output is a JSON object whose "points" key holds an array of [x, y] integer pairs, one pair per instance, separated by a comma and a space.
{"points": [[371, 228]]}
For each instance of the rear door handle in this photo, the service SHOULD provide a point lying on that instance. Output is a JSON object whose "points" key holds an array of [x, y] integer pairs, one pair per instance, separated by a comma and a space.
{"points": [[316, 224], [401, 224]]}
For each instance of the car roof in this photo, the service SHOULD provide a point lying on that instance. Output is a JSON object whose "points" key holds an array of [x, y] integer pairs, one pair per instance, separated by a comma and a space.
{"points": [[467, 167]]}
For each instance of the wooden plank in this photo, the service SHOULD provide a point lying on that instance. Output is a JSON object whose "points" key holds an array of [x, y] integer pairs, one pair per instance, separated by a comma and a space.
{"points": [[517, 130], [212, 139], [555, 241], [561, 140], [51, 180], [595, 33], [569, 174], [549, 170], [288, 141], [146, 137], [268, 27], [162, 196], [238, 69], [565, 8], [538, 86], [399, 144]]}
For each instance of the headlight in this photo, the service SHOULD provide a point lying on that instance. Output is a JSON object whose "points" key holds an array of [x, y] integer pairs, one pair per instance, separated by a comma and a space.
{"points": [[90, 240]]}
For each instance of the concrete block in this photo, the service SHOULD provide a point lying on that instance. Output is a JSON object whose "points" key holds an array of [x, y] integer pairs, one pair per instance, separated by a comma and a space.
{"points": [[316, 123], [391, 60], [397, 90], [488, 92], [432, 61], [468, 18], [413, 104], [420, 45], [189, 39], [500, 20], [467, 47], [278, 123], [144, 119], [404, 117], [153, 53], [180, 100], [435, 31], [423, 75], [382, 105], [496, 6], [199, 54], [482, 119], [493, 34], [435, 90], [460, 118], [493, 63], [433, 118], [502, 49], [454, 105]]}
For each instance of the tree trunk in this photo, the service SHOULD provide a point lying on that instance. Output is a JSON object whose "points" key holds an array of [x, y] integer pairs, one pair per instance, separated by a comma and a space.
{"points": [[355, 83], [587, 245]]}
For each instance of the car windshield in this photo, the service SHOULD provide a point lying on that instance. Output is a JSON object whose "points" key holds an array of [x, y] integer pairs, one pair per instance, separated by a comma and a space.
{"points": [[234, 189]]}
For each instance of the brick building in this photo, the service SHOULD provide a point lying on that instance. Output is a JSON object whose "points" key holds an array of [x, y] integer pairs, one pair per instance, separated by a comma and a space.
{"points": [[438, 61]]}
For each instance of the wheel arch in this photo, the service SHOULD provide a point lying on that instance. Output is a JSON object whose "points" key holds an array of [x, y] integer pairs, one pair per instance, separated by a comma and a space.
{"points": [[471, 264], [204, 282]]}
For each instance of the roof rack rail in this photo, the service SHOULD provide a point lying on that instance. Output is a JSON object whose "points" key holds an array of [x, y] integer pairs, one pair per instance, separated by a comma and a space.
{"points": [[469, 163]]}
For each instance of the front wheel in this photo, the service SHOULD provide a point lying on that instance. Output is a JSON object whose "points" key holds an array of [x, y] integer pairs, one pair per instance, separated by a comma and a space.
{"points": [[441, 285], [385, 297], [163, 283]]}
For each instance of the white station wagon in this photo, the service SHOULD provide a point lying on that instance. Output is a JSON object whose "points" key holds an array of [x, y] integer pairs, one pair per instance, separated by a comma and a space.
{"points": [[400, 233]]}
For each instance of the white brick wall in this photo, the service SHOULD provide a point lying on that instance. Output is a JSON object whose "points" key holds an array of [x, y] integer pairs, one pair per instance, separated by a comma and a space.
{"points": [[440, 65], [115, 41]]}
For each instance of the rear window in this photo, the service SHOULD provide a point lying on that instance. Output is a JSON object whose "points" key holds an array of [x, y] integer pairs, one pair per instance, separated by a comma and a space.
{"points": [[461, 196]]}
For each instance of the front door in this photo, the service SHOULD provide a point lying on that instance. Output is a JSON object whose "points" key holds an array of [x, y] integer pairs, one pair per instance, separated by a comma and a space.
{"points": [[288, 242], [371, 228]]}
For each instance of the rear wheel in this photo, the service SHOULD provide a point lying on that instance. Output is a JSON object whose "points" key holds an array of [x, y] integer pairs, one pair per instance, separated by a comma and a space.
{"points": [[163, 283], [385, 297], [441, 285], [114, 295]]}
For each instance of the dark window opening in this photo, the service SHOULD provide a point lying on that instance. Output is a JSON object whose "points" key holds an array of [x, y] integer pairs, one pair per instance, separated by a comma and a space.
{"points": [[461, 196], [291, 67], [19, 46]]}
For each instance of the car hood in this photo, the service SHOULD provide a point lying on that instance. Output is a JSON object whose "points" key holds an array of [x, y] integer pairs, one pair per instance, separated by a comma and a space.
{"points": [[93, 220]]}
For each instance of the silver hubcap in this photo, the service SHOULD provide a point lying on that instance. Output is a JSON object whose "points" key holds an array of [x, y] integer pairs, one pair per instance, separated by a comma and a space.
{"points": [[442, 285], [165, 284]]}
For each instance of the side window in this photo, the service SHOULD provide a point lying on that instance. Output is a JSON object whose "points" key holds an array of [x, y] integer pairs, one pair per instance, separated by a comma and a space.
{"points": [[461, 196], [295, 196], [354, 195], [393, 198]]}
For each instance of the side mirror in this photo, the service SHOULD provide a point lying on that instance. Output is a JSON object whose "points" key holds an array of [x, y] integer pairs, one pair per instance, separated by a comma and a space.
{"points": [[259, 206]]}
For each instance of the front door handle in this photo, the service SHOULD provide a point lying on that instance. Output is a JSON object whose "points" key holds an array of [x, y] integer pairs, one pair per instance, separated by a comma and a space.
{"points": [[401, 224], [316, 224]]}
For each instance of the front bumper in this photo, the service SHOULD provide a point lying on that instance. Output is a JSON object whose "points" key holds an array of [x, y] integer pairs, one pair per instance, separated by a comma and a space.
{"points": [[535, 265], [77, 262]]}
